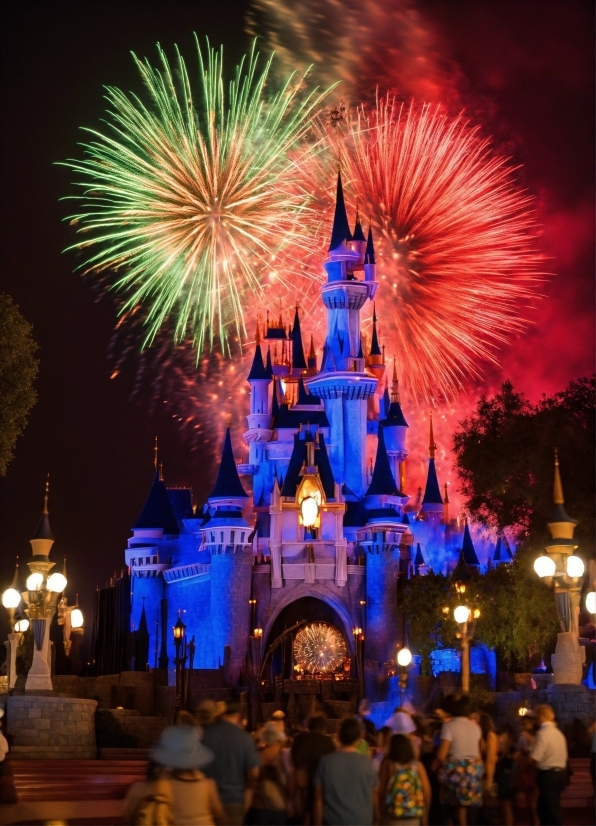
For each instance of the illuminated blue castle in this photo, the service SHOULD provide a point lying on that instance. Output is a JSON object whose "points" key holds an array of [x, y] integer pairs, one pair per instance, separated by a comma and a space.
{"points": [[327, 532]]}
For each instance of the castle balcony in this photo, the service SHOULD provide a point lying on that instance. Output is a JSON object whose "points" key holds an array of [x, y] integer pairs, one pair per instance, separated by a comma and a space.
{"points": [[144, 562], [345, 295], [258, 434], [183, 572], [342, 383]]}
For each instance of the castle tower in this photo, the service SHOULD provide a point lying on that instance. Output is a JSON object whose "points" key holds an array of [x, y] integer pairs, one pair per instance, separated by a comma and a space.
{"points": [[343, 382], [375, 364], [225, 535], [259, 419], [395, 428], [432, 503]]}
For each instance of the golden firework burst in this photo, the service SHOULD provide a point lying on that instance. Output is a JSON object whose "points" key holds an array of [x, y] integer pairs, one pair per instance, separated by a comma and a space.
{"points": [[319, 648]]}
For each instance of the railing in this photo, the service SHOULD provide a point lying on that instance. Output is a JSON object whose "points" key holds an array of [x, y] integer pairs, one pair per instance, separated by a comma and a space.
{"points": [[196, 569]]}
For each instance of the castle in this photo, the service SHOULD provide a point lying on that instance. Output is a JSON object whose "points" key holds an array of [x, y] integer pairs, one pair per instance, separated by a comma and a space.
{"points": [[327, 532]]}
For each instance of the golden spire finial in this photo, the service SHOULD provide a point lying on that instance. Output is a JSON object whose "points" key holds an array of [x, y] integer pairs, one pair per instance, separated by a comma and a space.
{"points": [[46, 495], [312, 354], [558, 497], [395, 383], [432, 446], [228, 420], [155, 452], [446, 494], [64, 568], [161, 471], [257, 333]]}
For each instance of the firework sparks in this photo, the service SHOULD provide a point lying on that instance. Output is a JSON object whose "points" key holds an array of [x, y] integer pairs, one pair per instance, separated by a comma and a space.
{"points": [[456, 240], [192, 199], [319, 648]]}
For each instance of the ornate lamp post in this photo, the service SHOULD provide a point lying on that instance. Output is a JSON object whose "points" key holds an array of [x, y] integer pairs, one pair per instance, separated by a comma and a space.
{"points": [[466, 620], [404, 658], [359, 639], [11, 599], [180, 645], [70, 617], [563, 571]]}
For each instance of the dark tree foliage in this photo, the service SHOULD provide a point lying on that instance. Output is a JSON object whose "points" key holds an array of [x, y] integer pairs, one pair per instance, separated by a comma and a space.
{"points": [[518, 617], [504, 457], [18, 371]]}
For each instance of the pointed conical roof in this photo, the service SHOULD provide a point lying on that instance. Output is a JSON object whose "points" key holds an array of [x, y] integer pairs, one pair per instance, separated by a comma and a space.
{"points": [[43, 530], [228, 484], [502, 552], [274, 400], [258, 370], [157, 511], [143, 620], [298, 360], [358, 233], [395, 416], [341, 228], [382, 482], [418, 559], [375, 349], [268, 365], [369, 255], [432, 493], [559, 513], [468, 550]]}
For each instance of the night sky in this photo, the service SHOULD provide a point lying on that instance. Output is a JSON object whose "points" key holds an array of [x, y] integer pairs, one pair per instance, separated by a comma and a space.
{"points": [[523, 70]]}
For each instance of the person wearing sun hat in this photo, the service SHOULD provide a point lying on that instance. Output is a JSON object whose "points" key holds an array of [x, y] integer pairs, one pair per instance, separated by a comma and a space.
{"points": [[193, 798], [270, 798]]}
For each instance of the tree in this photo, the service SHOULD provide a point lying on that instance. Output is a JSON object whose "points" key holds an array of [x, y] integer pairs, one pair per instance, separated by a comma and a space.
{"points": [[517, 619], [18, 371], [504, 457]]}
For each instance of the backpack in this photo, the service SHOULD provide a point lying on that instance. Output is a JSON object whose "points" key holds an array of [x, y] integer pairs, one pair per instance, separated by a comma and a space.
{"points": [[156, 808], [404, 793]]}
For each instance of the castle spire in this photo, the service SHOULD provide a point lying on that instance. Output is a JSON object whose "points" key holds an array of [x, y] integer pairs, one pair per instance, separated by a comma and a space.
{"points": [[257, 333], [341, 228], [382, 482], [227, 484], [468, 550], [446, 500], [43, 529], [257, 370], [561, 525], [369, 255], [432, 446], [558, 497], [298, 360], [375, 349], [394, 383], [155, 454], [358, 233]]}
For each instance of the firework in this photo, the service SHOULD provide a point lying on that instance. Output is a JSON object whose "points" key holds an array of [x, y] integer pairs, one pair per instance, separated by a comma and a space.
{"points": [[455, 239], [319, 648], [192, 197]]}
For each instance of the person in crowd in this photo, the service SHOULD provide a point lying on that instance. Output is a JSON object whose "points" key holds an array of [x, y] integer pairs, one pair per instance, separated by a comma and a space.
{"points": [[8, 793], [404, 788], [307, 750], [270, 798], [236, 764], [279, 718], [550, 755], [428, 758], [489, 749], [525, 769], [383, 737], [364, 715], [461, 762], [401, 722], [174, 777], [346, 784], [504, 772]]}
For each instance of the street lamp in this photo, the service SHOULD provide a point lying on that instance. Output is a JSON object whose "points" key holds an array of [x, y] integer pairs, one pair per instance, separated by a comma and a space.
{"points": [[70, 617], [404, 658], [180, 661], [466, 619], [561, 569], [591, 602], [359, 638]]}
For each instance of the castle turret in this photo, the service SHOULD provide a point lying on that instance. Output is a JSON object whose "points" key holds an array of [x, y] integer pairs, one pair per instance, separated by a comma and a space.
{"points": [[395, 428], [502, 553], [370, 268], [343, 382], [225, 535], [468, 551], [298, 360], [358, 240], [259, 419], [432, 503]]}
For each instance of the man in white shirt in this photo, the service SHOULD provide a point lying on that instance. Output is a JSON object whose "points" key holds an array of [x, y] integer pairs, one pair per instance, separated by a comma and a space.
{"points": [[550, 755]]}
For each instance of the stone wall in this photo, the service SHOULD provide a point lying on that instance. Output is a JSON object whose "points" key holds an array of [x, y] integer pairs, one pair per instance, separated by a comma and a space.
{"points": [[42, 727]]}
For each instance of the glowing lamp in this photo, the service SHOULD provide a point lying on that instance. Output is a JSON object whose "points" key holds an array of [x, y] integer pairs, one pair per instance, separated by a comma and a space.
{"points": [[21, 626], [522, 711], [404, 657], [11, 598], [545, 566], [309, 511], [575, 566], [591, 602], [76, 618], [178, 630], [461, 614], [34, 581], [57, 583], [476, 613]]}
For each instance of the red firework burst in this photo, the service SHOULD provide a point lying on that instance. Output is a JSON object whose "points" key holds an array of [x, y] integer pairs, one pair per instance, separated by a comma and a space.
{"points": [[456, 239]]}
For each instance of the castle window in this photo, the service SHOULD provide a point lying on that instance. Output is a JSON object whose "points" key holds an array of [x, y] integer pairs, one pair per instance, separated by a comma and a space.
{"points": [[221, 539], [242, 537], [232, 534]]}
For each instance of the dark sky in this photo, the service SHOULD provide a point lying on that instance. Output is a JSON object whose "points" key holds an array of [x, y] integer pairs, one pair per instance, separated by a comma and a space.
{"points": [[524, 68]]}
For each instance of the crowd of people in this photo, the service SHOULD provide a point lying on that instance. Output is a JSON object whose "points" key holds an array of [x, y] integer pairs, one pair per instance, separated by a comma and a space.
{"points": [[451, 767]]}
